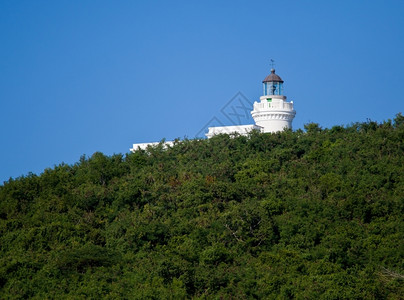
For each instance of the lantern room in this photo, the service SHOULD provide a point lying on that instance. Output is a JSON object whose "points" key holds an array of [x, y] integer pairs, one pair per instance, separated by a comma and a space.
{"points": [[273, 84]]}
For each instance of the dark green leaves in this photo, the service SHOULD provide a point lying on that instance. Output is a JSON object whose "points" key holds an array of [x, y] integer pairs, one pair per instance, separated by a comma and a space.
{"points": [[315, 214]]}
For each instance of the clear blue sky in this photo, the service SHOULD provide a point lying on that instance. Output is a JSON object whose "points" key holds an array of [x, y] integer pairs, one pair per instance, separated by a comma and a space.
{"points": [[78, 77]]}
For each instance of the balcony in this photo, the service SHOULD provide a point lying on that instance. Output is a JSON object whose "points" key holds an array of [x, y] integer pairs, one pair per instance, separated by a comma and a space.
{"points": [[278, 105]]}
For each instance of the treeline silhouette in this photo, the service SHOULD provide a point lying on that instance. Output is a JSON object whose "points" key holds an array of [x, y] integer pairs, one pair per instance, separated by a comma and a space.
{"points": [[314, 213]]}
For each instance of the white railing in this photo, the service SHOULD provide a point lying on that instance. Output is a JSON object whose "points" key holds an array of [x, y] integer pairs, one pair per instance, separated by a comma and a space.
{"points": [[273, 105]]}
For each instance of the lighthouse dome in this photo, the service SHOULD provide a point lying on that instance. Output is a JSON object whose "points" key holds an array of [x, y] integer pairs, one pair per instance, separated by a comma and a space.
{"points": [[272, 77]]}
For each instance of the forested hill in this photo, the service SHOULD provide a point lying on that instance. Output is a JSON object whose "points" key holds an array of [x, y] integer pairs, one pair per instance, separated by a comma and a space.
{"points": [[306, 214]]}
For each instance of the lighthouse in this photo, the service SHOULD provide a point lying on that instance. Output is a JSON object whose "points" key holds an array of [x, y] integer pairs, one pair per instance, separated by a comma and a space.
{"points": [[273, 113]]}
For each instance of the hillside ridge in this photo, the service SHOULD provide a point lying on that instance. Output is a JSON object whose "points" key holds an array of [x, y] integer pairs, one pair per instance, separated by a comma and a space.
{"points": [[297, 214]]}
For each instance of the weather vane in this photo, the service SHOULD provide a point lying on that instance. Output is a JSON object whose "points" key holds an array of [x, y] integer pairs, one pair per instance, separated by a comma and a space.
{"points": [[272, 63]]}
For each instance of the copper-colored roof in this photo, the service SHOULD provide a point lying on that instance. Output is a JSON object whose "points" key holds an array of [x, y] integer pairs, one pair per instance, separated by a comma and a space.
{"points": [[273, 77]]}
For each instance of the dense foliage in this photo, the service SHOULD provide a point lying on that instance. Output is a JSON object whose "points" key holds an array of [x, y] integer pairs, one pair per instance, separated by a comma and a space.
{"points": [[305, 214]]}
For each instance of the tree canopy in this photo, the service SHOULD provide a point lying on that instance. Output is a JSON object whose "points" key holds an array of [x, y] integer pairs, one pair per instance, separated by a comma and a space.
{"points": [[299, 214]]}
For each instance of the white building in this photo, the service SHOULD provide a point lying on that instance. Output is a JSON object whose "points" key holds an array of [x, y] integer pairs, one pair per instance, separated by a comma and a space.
{"points": [[144, 146], [240, 129], [271, 114]]}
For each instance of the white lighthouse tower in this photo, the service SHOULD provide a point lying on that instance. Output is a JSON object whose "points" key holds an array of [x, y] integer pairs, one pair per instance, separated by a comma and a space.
{"points": [[273, 113]]}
